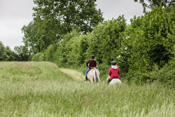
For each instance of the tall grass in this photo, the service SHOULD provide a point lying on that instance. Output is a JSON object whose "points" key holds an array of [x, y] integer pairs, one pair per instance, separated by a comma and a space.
{"points": [[41, 89]]}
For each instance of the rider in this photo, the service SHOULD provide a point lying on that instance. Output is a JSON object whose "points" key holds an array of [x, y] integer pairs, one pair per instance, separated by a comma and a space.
{"points": [[114, 72], [90, 64]]}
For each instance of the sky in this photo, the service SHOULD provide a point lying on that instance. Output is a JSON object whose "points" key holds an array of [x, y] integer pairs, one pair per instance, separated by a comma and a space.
{"points": [[14, 14]]}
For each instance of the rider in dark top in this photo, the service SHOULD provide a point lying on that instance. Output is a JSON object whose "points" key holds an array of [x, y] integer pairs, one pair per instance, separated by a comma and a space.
{"points": [[90, 64]]}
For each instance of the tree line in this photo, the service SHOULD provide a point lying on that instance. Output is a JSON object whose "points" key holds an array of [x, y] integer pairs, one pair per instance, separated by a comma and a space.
{"points": [[20, 53]]}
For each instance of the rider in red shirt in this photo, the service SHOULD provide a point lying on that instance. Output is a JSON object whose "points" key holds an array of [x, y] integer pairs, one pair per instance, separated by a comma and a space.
{"points": [[113, 72]]}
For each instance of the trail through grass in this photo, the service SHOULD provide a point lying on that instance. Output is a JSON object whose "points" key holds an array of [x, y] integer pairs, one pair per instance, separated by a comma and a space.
{"points": [[37, 89], [73, 73]]}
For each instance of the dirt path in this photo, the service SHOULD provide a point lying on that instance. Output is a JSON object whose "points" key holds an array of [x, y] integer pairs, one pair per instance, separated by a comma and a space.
{"points": [[73, 73]]}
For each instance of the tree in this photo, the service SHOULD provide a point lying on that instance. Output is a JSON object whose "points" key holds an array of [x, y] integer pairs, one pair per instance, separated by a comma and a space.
{"points": [[55, 18], [6, 54], [81, 15], [2, 52], [10, 55], [22, 52], [155, 3], [31, 38]]}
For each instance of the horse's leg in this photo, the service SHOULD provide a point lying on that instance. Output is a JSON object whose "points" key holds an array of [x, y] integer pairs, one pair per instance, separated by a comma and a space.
{"points": [[91, 79], [98, 75], [98, 78]]}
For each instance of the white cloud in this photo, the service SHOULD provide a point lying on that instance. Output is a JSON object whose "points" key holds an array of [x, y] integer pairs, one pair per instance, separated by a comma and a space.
{"points": [[12, 9], [14, 14], [11, 32], [115, 8]]}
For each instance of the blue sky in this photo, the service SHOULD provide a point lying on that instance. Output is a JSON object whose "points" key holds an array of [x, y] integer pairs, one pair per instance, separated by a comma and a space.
{"points": [[14, 14]]}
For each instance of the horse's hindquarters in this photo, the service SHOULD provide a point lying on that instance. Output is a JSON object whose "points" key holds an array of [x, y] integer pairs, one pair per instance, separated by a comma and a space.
{"points": [[115, 81], [93, 75]]}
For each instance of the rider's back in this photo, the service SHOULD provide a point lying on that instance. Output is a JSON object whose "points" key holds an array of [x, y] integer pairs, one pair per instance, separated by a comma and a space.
{"points": [[92, 63]]}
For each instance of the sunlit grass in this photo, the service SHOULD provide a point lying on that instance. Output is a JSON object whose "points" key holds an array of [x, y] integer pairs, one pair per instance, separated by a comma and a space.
{"points": [[41, 89]]}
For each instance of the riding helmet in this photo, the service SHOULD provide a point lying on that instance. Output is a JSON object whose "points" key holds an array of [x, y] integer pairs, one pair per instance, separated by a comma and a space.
{"points": [[92, 56], [113, 63]]}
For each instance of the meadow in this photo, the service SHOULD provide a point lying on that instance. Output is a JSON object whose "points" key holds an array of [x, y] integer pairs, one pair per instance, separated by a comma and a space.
{"points": [[37, 89]]}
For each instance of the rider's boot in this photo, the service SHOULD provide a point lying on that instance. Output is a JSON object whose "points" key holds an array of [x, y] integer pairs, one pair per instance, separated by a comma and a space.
{"points": [[108, 80], [86, 79]]}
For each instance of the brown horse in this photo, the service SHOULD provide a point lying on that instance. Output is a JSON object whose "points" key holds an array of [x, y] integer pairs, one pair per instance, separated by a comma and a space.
{"points": [[93, 75]]}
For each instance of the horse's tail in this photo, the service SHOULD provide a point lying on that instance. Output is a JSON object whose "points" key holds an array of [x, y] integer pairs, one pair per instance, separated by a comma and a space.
{"points": [[96, 77]]}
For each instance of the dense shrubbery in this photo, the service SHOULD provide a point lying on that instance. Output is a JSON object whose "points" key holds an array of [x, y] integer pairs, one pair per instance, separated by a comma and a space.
{"points": [[38, 57], [105, 40], [144, 50], [150, 42], [6, 54]]}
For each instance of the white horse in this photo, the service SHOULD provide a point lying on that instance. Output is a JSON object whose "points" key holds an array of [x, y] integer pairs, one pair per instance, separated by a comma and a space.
{"points": [[115, 81], [93, 75]]}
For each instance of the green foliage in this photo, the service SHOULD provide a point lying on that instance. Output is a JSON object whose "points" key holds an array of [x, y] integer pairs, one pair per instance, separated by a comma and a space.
{"points": [[2, 52], [72, 51], [122, 59], [38, 57], [65, 48], [55, 18], [69, 52], [104, 68], [6, 54], [50, 53], [83, 48], [105, 40], [23, 53], [155, 3], [149, 39], [165, 75], [30, 38], [74, 47]]}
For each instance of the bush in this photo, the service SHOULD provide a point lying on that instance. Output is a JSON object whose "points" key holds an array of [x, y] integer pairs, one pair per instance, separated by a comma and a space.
{"points": [[165, 75], [50, 53], [38, 57], [103, 68]]}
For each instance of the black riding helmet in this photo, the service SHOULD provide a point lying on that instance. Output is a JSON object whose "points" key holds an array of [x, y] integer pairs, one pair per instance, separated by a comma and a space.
{"points": [[92, 56], [113, 63]]}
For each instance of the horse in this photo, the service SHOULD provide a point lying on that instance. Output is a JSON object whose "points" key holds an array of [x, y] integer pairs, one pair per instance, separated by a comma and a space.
{"points": [[93, 75], [115, 81]]}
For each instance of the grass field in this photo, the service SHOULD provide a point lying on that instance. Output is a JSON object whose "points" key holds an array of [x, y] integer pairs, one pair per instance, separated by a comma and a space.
{"points": [[41, 89]]}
